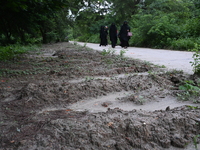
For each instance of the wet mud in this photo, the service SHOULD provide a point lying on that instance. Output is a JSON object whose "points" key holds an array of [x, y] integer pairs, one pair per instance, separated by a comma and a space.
{"points": [[70, 97]]}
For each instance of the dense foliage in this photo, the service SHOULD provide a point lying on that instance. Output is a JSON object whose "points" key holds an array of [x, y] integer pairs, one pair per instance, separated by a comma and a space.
{"points": [[26, 21], [172, 24], [167, 24]]}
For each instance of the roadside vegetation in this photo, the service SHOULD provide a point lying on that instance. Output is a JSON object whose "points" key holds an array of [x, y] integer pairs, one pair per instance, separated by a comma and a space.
{"points": [[167, 24], [12, 52], [196, 59]]}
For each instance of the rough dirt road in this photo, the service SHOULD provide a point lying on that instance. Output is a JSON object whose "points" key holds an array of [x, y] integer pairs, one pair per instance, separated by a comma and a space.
{"points": [[171, 59], [45, 96]]}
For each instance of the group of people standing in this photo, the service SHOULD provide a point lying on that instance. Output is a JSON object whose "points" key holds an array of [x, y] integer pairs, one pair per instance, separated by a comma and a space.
{"points": [[114, 35]]}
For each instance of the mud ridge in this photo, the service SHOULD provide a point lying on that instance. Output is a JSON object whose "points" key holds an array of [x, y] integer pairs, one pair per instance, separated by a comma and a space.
{"points": [[37, 92]]}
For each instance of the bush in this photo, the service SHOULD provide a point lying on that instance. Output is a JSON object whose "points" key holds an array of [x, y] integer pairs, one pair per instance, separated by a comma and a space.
{"points": [[12, 51], [196, 57], [83, 38], [156, 31], [183, 44], [94, 38]]}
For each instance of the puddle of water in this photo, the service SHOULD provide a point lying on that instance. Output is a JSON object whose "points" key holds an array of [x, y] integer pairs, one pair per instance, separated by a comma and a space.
{"points": [[95, 105], [112, 101]]}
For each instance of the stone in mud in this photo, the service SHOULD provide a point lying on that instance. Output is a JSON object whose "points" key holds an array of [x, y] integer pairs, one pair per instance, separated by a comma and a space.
{"points": [[105, 104]]}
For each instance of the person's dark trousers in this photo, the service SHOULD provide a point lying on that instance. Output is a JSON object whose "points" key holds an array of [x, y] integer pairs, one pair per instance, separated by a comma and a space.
{"points": [[124, 43], [113, 42]]}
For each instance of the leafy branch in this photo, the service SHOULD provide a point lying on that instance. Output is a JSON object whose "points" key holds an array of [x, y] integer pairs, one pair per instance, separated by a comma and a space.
{"points": [[196, 57]]}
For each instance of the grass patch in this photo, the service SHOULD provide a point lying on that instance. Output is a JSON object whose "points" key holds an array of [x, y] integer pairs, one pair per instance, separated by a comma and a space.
{"points": [[190, 91], [14, 51]]}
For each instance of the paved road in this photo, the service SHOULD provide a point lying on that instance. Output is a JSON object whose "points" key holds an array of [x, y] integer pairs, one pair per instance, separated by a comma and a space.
{"points": [[179, 60]]}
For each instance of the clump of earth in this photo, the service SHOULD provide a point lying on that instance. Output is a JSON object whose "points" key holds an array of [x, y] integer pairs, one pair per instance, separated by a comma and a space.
{"points": [[70, 97]]}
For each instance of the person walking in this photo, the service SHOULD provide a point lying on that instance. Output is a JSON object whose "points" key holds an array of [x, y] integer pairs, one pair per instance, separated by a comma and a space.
{"points": [[113, 35], [123, 35], [106, 35], [103, 36]]}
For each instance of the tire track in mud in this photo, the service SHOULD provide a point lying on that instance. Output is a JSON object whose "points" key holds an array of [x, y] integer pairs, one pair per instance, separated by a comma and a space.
{"points": [[51, 93]]}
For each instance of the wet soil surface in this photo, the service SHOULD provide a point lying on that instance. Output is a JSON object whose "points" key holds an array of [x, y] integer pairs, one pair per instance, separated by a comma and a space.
{"points": [[70, 97]]}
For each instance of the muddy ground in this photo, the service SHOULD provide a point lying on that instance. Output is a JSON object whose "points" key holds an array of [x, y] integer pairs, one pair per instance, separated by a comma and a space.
{"points": [[38, 90]]}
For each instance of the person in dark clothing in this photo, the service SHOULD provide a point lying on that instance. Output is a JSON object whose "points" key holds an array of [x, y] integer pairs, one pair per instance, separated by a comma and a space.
{"points": [[113, 35], [123, 35], [103, 36], [106, 35], [101, 32]]}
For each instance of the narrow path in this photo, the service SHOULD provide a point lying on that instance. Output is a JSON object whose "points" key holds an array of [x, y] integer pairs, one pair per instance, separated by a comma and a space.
{"points": [[171, 59]]}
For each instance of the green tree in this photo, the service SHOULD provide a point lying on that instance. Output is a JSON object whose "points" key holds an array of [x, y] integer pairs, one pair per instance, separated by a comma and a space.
{"points": [[28, 18], [160, 22], [123, 10]]}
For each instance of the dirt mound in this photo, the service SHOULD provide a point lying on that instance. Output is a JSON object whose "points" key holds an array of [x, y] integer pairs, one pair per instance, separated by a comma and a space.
{"points": [[35, 100], [115, 129]]}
